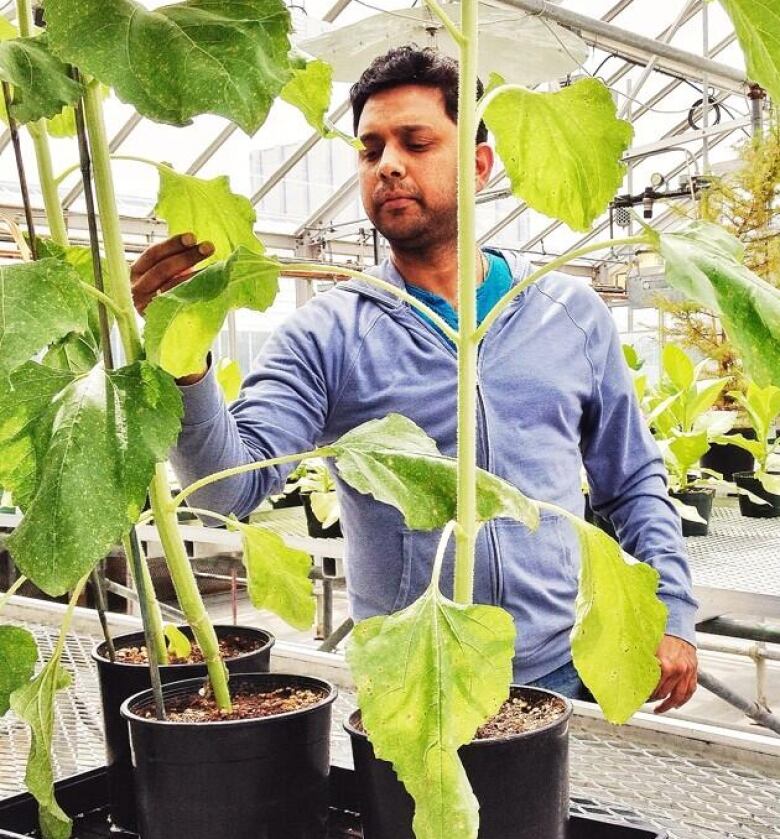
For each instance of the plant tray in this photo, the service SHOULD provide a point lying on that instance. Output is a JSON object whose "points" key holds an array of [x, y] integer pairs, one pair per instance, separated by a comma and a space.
{"points": [[84, 797]]}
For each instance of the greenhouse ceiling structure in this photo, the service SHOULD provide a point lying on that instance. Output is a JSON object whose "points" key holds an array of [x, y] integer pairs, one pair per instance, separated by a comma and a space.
{"points": [[304, 188]]}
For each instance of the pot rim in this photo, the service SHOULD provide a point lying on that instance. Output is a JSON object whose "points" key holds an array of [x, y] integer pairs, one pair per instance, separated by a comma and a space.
{"points": [[129, 714], [102, 658], [494, 741]]}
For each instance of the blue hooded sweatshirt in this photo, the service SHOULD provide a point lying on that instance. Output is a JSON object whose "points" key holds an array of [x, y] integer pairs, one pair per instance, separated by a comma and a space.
{"points": [[553, 393]]}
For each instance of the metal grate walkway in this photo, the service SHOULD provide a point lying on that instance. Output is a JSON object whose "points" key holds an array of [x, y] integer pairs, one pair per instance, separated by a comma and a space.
{"points": [[627, 774]]}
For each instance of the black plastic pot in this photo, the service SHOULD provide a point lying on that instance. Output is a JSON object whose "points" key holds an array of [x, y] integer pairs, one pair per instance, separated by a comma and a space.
{"points": [[261, 778], [119, 681], [748, 481], [702, 500], [728, 459], [291, 499], [314, 525], [521, 783]]}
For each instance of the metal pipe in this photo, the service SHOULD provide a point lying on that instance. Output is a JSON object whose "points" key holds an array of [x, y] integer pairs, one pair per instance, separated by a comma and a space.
{"points": [[754, 651], [631, 46], [167, 611], [736, 629], [750, 709]]}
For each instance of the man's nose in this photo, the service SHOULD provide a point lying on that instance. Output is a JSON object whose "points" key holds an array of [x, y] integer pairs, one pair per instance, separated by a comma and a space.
{"points": [[391, 165]]}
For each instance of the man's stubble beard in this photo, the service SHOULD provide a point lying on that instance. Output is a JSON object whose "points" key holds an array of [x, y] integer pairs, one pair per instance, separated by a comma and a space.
{"points": [[429, 233]]}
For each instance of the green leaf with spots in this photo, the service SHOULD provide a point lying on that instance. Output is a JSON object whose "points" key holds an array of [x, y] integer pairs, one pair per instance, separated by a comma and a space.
{"points": [[25, 399], [309, 90], [18, 654], [181, 324], [705, 263], [397, 463], [225, 57], [277, 576], [78, 352], [757, 24], [95, 447], [34, 703], [209, 210], [562, 151], [41, 84], [40, 302], [427, 677], [619, 624]]}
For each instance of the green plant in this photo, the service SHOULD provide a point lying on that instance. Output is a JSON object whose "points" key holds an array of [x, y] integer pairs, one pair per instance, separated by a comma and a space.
{"points": [[762, 406], [681, 419], [744, 202], [426, 676], [317, 482]]}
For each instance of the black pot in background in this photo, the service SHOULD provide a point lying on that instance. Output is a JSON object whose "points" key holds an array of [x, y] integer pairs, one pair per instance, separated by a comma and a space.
{"points": [[728, 459], [119, 681], [701, 499], [291, 499], [314, 525], [261, 778], [748, 481], [521, 783]]}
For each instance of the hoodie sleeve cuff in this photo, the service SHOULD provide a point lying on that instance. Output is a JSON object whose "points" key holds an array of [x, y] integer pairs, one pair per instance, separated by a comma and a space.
{"points": [[681, 619], [203, 400]]}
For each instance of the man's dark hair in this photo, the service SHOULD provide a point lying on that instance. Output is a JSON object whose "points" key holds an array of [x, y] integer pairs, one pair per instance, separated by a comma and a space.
{"points": [[411, 65]]}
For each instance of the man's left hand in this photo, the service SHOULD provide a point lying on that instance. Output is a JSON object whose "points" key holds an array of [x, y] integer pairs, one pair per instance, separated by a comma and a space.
{"points": [[679, 669]]}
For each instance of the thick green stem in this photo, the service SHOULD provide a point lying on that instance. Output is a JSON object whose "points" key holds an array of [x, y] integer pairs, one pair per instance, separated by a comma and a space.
{"points": [[308, 267], [325, 451], [118, 273], [40, 138], [466, 531], [564, 259], [118, 287], [186, 587], [155, 628]]}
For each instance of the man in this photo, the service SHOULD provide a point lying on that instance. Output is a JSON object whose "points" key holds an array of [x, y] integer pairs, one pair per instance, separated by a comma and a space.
{"points": [[553, 393]]}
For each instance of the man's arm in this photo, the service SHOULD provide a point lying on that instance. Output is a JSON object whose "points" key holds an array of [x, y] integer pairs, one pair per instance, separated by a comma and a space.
{"points": [[281, 410], [627, 482]]}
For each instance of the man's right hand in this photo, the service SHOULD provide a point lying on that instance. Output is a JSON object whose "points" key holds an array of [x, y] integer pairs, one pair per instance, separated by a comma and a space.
{"points": [[163, 266]]}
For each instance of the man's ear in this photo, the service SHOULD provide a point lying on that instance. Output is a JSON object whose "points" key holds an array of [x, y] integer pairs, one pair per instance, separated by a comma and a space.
{"points": [[485, 158]]}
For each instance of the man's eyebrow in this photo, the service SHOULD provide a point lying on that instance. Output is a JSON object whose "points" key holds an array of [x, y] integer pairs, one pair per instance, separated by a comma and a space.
{"points": [[411, 128]]}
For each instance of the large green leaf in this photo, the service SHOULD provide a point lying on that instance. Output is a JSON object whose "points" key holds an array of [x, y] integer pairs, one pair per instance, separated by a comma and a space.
{"points": [[41, 84], [34, 703], [78, 352], [96, 445], [702, 397], [209, 210], [705, 263], [309, 90], [757, 24], [18, 654], [182, 324], [277, 576], [619, 624], [398, 463], [226, 57], [39, 303], [427, 678], [25, 399], [561, 150]]}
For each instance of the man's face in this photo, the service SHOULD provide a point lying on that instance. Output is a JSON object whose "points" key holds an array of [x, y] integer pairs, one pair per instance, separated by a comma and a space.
{"points": [[408, 169]]}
